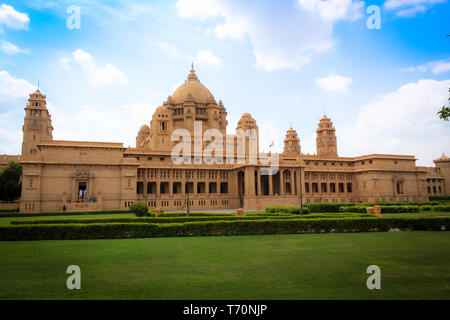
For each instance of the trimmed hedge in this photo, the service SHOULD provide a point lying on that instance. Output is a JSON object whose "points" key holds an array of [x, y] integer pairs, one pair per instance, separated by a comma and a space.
{"points": [[440, 208], [59, 213], [401, 203], [437, 198], [191, 219], [9, 210], [398, 209], [217, 228], [384, 209], [191, 214], [287, 209], [327, 207], [148, 220]]}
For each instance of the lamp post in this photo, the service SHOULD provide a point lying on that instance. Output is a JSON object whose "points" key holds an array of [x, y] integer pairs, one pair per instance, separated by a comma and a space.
{"points": [[187, 193], [301, 191]]}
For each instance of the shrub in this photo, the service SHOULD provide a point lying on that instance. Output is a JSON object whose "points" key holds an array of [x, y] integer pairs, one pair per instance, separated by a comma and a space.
{"points": [[216, 228], [140, 209], [326, 207], [59, 213], [400, 203], [9, 210], [149, 220], [441, 208], [437, 198], [287, 209], [384, 209]]}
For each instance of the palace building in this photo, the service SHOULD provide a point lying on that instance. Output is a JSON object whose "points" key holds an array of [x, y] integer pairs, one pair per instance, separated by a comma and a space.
{"points": [[85, 175]]}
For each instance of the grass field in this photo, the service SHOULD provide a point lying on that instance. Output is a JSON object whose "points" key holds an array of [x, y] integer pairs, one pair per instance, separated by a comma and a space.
{"points": [[414, 265]]}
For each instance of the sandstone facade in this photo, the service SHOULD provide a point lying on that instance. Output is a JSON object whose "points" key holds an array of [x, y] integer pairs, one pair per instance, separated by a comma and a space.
{"points": [[93, 176]]}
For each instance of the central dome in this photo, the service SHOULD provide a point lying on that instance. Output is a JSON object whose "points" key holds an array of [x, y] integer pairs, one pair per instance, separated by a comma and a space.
{"points": [[199, 93]]}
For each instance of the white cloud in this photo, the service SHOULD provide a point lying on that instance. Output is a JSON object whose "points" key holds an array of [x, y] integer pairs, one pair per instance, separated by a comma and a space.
{"points": [[11, 49], [171, 50], [334, 83], [270, 131], [12, 18], [333, 10], [409, 8], [98, 76], [13, 96], [14, 88], [401, 122], [206, 57], [411, 12], [306, 27], [436, 67], [64, 62]]}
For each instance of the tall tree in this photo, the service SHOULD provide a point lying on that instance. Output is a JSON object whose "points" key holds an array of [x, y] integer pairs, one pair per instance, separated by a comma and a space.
{"points": [[445, 111], [10, 184]]}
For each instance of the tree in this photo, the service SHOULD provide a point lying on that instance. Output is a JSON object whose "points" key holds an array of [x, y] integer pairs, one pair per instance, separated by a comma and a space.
{"points": [[10, 184], [445, 111], [140, 209]]}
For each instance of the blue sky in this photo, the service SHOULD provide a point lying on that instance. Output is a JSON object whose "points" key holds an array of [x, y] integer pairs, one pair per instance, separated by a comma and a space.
{"points": [[285, 62]]}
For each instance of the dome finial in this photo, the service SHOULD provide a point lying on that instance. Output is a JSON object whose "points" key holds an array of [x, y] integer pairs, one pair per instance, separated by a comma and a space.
{"points": [[192, 76]]}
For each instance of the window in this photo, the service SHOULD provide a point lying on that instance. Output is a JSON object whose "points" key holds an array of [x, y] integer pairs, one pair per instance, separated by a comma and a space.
{"points": [[224, 187], [307, 187], [332, 187], [399, 187], [341, 187], [349, 187]]}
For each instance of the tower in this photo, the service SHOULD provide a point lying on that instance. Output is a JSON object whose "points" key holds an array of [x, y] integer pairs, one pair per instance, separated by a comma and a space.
{"points": [[326, 138], [291, 143], [37, 125]]}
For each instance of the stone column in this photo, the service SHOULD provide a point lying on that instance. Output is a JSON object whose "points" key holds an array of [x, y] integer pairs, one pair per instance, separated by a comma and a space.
{"points": [[270, 184], [259, 182], [293, 181], [282, 182], [158, 182]]}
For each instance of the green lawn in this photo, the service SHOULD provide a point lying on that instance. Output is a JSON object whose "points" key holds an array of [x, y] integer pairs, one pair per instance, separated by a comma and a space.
{"points": [[414, 265], [6, 221]]}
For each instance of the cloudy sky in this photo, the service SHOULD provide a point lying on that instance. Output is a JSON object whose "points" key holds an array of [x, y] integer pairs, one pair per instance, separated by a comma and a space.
{"points": [[286, 62]]}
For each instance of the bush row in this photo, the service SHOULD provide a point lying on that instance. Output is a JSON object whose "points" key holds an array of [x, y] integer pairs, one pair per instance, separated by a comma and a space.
{"points": [[58, 213], [401, 203], [10, 210], [437, 198], [384, 209], [216, 228], [399, 209], [149, 219], [287, 209], [327, 207], [191, 218]]}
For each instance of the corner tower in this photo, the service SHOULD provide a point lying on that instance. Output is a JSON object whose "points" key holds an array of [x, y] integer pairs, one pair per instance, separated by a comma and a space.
{"points": [[326, 143], [291, 143], [37, 125]]}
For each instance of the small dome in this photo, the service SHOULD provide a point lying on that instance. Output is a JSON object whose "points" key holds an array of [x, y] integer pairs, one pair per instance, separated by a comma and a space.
{"points": [[247, 115], [144, 128], [160, 109], [443, 158], [199, 93]]}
